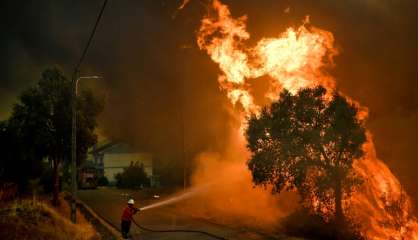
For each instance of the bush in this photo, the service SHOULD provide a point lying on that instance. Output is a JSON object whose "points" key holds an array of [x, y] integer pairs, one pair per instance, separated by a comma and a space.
{"points": [[133, 177], [102, 181]]}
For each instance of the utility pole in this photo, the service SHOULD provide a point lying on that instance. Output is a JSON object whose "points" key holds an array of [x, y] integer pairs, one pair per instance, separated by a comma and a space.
{"points": [[74, 147], [74, 82]]}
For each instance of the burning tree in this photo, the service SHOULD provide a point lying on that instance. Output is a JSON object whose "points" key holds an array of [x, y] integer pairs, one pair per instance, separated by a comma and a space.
{"points": [[307, 141], [293, 149], [399, 212]]}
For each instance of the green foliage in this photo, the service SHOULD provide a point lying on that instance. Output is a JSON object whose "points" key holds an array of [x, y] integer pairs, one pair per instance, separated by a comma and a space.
{"points": [[308, 141], [132, 177], [13, 158], [40, 126], [43, 116], [102, 181]]}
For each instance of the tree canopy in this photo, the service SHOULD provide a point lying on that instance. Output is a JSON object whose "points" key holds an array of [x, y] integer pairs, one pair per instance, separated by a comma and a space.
{"points": [[308, 141], [132, 177], [40, 123]]}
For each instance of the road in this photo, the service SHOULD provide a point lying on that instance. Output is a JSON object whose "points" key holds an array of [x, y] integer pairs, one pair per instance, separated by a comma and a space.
{"points": [[109, 203]]}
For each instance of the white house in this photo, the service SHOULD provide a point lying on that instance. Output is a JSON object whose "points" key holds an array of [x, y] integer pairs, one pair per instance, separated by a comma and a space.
{"points": [[112, 158]]}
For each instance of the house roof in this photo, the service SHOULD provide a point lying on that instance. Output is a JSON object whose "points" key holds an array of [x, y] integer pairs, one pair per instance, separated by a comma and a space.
{"points": [[99, 147], [114, 147]]}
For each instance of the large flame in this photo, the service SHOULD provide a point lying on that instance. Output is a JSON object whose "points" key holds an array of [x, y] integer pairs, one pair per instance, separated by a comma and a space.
{"points": [[295, 59]]}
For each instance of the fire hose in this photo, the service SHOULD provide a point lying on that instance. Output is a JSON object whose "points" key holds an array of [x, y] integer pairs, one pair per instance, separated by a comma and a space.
{"points": [[159, 231], [179, 230], [168, 230]]}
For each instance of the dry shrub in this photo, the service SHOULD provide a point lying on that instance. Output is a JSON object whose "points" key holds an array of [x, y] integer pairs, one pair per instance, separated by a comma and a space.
{"points": [[36, 220]]}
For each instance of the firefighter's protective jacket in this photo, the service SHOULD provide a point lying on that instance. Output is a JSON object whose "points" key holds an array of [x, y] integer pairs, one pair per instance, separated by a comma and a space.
{"points": [[128, 212]]}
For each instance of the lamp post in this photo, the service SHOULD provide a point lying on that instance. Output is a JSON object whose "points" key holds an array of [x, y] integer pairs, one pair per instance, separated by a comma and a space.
{"points": [[74, 143]]}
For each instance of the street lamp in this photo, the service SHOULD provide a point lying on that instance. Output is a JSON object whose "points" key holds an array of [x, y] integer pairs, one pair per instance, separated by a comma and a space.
{"points": [[74, 144]]}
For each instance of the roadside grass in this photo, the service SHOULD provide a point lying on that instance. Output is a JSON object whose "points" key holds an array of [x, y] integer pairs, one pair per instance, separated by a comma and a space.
{"points": [[36, 219]]}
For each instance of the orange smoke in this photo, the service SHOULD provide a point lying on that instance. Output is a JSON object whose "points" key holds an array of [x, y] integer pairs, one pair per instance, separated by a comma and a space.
{"points": [[296, 59], [232, 197]]}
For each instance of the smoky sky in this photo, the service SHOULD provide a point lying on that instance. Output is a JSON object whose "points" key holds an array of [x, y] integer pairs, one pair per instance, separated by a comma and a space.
{"points": [[161, 91]]}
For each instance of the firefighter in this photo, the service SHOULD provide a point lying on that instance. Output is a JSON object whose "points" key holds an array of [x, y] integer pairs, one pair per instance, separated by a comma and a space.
{"points": [[127, 215]]}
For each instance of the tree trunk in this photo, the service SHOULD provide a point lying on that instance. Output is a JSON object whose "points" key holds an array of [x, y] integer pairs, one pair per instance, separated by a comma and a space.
{"points": [[339, 215], [55, 191]]}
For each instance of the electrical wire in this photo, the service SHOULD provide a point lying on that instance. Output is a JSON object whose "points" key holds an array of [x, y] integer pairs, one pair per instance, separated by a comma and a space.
{"points": [[83, 55], [138, 225]]}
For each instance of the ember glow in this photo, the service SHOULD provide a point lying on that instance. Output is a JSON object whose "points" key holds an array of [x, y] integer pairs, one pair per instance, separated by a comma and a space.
{"points": [[295, 59]]}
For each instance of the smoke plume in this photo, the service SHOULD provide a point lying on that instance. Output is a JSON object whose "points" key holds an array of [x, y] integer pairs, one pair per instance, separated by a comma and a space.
{"points": [[157, 80]]}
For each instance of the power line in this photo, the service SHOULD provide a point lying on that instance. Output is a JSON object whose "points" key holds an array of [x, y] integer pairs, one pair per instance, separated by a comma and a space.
{"points": [[74, 117], [91, 36]]}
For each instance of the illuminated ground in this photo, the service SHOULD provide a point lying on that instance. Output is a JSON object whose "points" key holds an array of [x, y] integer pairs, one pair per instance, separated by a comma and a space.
{"points": [[109, 203]]}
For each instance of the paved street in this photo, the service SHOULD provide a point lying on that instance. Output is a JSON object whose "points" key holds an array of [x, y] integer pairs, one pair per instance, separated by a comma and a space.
{"points": [[109, 203]]}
